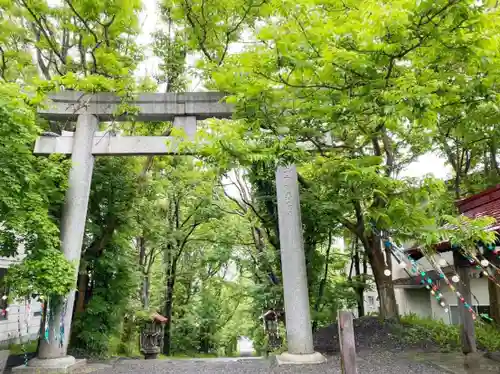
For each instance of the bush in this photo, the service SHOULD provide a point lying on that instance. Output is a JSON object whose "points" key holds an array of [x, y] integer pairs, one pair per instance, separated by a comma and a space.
{"points": [[418, 329], [447, 337], [488, 337]]}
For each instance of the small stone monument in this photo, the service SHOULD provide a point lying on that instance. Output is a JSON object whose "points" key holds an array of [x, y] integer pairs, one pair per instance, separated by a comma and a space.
{"points": [[151, 339]]}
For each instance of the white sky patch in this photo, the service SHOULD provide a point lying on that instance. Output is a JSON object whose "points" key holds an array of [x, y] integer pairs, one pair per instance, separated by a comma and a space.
{"points": [[428, 163], [149, 21]]}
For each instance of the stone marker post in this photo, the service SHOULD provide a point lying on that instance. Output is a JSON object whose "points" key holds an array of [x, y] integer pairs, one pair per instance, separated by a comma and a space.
{"points": [[347, 343], [298, 320]]}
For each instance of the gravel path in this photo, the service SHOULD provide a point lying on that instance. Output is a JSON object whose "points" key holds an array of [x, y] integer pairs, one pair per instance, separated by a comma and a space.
{"points": [[372, 363]]}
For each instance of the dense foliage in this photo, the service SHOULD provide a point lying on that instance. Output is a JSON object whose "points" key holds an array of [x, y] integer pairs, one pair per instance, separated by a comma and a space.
{"points": [[32, 189]]}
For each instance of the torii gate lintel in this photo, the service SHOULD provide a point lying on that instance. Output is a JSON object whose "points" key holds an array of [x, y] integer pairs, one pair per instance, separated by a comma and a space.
{"points": [[68, 105]]}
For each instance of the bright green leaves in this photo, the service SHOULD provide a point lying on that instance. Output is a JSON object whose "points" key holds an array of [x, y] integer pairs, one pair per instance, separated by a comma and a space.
{"points": [[355, 192], [40, 274], [84, 37], [468, 232], [31, 189], [213, 25], [459, 231], [389, 79], [172, 51]]}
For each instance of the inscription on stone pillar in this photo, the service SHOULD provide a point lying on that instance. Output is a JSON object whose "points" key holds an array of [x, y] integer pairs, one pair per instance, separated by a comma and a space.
{"points": [[287, 186]]}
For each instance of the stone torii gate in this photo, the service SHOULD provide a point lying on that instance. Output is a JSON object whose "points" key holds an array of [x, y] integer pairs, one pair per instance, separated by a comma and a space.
{"points": [[184, 109]]}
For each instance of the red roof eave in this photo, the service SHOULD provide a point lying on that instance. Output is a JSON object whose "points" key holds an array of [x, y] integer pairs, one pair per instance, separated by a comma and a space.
{"points": [[416, 252], [483, 204]]}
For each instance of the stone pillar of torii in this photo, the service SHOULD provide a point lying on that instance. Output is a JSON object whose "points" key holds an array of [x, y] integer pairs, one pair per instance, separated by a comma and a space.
{"points": [[184, 110]]}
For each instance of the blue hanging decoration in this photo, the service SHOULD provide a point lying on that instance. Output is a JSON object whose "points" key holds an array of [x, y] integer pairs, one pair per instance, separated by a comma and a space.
{"points": [[47, 316], [61, 327]]}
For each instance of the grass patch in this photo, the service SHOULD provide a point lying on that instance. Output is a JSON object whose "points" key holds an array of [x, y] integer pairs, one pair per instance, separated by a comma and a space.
{"points": [[18, 349], [417, 329], [488, 337]]}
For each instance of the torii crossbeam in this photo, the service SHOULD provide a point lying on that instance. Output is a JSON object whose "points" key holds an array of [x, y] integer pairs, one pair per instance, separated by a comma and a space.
{"points": [[184, 110]]}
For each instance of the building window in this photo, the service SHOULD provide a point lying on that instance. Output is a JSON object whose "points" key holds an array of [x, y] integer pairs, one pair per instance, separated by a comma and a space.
{"points": [[371, 301], [4, 293], [454, 315]]}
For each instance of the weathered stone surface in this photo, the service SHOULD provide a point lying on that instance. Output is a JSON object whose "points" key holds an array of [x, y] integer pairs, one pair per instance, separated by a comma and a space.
{"points": [[67, 364], [4, 357], [298, 319], [291, 359], [72, 231], [110, 145], [152, 106]]}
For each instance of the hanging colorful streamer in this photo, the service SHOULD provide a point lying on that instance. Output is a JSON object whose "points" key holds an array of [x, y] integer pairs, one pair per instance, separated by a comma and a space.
{"points": [[457, 279], [426, 280], [484, 265], [61, 326], [435, 289], [452, 287], [48, 315]]}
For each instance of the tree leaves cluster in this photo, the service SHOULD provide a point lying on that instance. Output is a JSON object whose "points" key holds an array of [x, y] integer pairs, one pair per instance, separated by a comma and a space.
{"points": [[31, 188], [366, 88]]}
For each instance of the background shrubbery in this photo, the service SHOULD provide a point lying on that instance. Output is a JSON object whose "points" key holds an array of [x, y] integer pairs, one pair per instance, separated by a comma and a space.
{"points": [[447, 337]]}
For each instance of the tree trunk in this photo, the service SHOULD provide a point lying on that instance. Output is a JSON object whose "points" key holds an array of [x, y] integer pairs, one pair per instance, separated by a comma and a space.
{"points": [[204, 340], [385, 286], [493, 157], [456, 185], [468, 333], [145, 292], [169, 302], [322, 284], [360, 287], [83, 282], [494, 293]]}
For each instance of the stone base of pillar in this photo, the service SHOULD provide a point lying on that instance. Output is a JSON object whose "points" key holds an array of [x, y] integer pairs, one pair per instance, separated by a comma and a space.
{"points": [[66, 364], [307, 359]]}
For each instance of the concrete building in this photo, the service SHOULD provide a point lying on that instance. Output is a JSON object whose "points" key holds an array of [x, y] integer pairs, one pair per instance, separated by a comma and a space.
{"points": [[19, 322]]}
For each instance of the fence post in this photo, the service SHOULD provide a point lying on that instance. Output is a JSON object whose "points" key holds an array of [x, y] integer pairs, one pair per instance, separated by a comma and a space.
{"points": [[347, 344]]}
